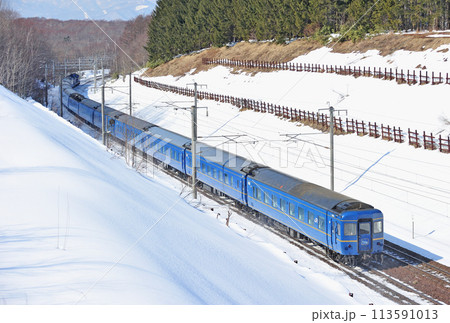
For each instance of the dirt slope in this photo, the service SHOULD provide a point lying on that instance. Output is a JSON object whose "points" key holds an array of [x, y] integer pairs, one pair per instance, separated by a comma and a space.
{"points": [[386, 44]]}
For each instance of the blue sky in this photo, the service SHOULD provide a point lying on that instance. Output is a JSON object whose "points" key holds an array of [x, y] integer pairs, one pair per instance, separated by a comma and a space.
{"points": [[83, 9]]}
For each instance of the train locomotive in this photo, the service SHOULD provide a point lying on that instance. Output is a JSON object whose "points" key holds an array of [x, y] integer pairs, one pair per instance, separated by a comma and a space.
{"points": [[351, 231]]}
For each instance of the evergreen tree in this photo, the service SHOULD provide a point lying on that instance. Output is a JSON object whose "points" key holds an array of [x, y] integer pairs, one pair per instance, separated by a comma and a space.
{"points": [[181, 26]]}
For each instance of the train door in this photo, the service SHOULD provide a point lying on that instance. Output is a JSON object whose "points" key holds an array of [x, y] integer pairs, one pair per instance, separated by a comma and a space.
{"points": [[184, 161], [364, 235], [188, 162], [335, 233], [244, 190]]}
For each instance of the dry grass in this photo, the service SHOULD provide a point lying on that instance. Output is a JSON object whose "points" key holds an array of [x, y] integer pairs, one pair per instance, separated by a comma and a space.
{"points": [[252, 51], [386, 44]]}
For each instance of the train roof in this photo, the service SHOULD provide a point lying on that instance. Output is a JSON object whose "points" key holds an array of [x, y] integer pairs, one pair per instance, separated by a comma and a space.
{"points": [[134, 122], [221, 157], [91, 103], [312, 193], [169, 136]]}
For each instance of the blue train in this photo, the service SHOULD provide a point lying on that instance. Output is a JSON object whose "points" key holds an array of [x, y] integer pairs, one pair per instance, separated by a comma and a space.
{"points": [[350, 230]]}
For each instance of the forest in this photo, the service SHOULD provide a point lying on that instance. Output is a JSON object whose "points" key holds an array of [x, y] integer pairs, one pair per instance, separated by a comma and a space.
{"points": [[21, 51], [182, 26]]}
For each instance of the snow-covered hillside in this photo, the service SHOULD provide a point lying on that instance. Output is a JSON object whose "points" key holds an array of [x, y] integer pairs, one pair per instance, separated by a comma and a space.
{"points": [[410, 186], [83, 9], [78, 226]]}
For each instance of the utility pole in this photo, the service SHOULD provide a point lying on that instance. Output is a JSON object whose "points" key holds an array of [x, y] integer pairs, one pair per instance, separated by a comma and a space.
{"points": [[331, 148], [60, 96], [194, 138], [46, 86], [332, 110], [103, 108], [95, 74], [194, 144], [131, 104]]}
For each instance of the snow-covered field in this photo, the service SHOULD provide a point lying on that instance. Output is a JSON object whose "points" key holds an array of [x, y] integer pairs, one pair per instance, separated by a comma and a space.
{"points": [[80, 227], [410, 186]]}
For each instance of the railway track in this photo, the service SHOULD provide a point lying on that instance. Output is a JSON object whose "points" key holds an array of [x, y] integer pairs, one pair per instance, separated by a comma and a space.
{"points": [[388, 286], [423, 264], [417, 271], [376, 278]]}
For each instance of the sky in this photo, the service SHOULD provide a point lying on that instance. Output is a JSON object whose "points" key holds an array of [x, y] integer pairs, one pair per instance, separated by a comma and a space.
{"points": [[83, 9]]}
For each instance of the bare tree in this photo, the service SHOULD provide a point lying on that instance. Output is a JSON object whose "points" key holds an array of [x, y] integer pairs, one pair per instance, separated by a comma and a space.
{"points": [[132, 42], [22, 51]]}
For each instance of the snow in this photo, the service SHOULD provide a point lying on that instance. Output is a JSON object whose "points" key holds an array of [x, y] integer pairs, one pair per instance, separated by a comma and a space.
{"points": [[433, 60], [409, 185], [438, 36], [80, 227]]}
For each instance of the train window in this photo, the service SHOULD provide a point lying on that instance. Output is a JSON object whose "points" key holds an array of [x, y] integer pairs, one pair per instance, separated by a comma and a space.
{"points": [[377, 227], [255, 190], [283, 205], [203, 168], [274, 201], [238, 183], [259, 194], [208, 169], [364, 228], [227, 179], [301, 213], [266, 198], [220, 176], [321, 223], [231, 181], [338, 229], [310, 218], [215, 173], [291, 209], [349, 229]]}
